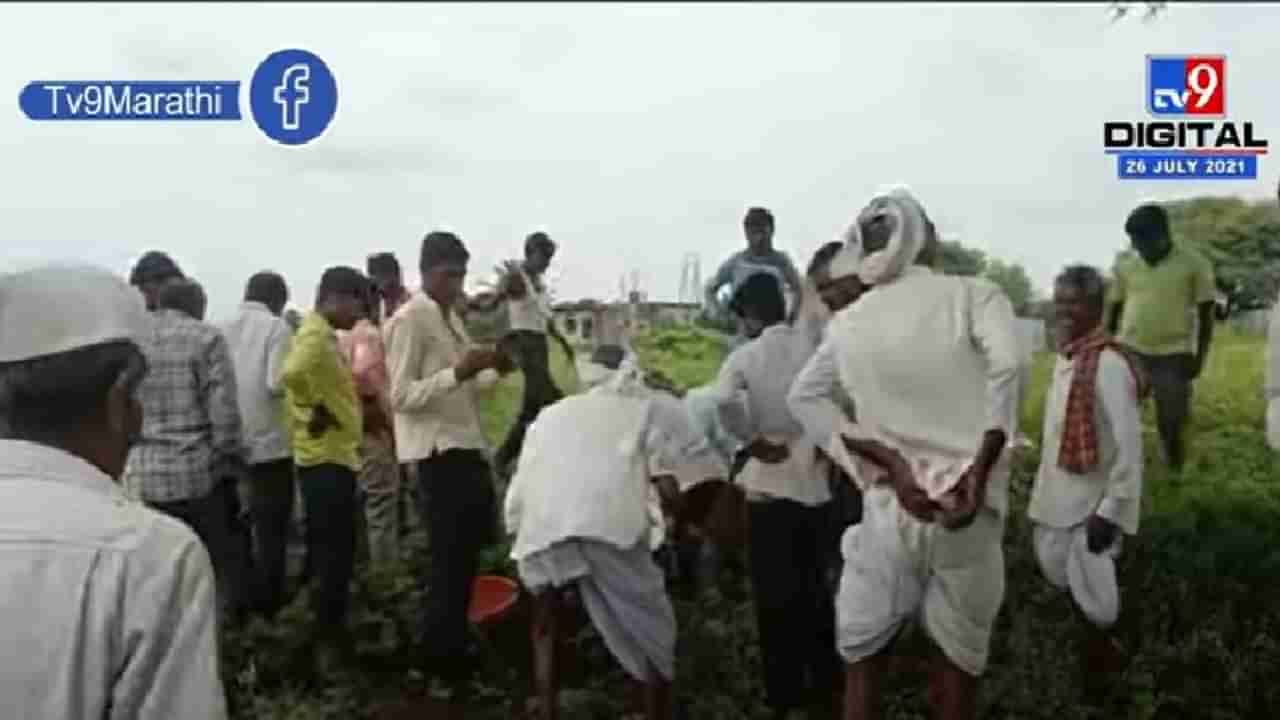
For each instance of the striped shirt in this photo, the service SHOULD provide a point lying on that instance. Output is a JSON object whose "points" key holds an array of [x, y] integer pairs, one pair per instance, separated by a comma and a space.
{"points": [[191, 431]]}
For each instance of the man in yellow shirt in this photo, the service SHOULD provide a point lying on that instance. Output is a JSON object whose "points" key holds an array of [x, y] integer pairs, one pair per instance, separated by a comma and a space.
{"points": [[325, 426], [1157, 291]]}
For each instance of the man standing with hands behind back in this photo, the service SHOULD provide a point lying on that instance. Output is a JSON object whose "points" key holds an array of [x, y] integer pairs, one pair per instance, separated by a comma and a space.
{"points": [[1156, 291], [325, 422], [433, 371]]}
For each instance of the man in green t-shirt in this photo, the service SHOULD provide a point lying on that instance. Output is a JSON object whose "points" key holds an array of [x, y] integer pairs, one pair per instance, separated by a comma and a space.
{"points": [[1161, 294]]}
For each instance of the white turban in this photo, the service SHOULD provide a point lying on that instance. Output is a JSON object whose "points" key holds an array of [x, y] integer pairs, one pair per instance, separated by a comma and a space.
{"points": [[60, 308], [846, 262], [909, 235]]}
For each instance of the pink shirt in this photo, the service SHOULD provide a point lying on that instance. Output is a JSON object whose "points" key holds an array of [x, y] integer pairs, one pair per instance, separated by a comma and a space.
{"points": [[362, 346]]}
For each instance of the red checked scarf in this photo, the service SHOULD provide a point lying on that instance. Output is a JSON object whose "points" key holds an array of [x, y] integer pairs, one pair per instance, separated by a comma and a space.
{"points": [[1078, 453]]}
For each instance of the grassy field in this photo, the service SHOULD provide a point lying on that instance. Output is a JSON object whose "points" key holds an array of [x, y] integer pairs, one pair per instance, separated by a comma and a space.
{"points": [[1201, 615]]}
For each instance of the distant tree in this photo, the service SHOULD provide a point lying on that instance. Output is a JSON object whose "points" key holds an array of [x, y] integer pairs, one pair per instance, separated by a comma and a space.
{"points": [[956, 259], [1013, 279], [1241, 239]]}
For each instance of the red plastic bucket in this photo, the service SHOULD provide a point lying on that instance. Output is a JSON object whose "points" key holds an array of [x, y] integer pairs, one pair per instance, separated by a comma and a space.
{"points": [[492, 596]]}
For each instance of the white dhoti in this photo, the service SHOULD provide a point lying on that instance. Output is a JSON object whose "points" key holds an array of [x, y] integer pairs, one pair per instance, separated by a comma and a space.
{"points": [[624, 594], [1065, 560], [896, 567]]}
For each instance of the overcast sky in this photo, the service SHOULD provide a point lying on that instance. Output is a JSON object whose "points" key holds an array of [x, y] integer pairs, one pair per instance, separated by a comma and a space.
{"points": [[633, 134]]}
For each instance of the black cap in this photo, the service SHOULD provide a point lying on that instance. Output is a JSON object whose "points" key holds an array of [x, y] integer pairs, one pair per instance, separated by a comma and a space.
{"points": [[154, 266]]}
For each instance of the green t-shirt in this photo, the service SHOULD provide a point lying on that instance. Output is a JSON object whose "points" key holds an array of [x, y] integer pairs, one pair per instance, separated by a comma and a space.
{"points": [[1160, 302]]}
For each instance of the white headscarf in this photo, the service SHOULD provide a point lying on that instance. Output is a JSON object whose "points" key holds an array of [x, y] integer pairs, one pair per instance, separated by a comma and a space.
{"points": [[910, 234]]}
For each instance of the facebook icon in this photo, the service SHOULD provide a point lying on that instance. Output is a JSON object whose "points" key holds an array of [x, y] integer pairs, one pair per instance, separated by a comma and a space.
{"points": [[293, 96]]}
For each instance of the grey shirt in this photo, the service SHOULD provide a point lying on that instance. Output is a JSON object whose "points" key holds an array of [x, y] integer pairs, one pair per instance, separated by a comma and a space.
{"points": [[743, 264]]}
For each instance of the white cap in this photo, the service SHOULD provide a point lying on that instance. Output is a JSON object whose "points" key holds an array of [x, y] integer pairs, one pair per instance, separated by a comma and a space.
{"points": [[59, 308]]}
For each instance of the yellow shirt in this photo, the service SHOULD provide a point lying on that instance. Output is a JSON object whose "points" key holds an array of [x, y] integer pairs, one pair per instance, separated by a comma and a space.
{"points": [[1160, 302], [315, 374]]}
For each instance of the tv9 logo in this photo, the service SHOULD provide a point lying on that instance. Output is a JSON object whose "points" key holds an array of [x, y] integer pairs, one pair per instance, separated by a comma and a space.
{"points": [[1181, 85]]}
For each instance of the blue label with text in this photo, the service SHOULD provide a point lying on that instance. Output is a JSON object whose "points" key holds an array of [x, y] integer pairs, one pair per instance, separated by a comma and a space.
{"points": [[131, 100], [1187, 167]]}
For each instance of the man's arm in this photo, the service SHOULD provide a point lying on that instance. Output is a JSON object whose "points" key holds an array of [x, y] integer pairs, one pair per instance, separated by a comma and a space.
{"points": [[278, 344], [796, 283], [169, 642], [674, 446], [1204, 289], [407, 343], [1115, 300], [1205, 336], [812, 398], [726, 392], [300, 366], [722, 277], [994, 332], [218, 388], [1117, 395]]}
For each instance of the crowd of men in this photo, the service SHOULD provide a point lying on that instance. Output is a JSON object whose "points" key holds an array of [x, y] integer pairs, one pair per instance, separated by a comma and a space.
{"points": [[867, 430]]}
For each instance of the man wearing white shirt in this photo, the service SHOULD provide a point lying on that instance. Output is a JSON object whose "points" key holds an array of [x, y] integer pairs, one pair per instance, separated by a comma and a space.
{"points": [[108, 606], [932, 365], [434, 371], [260, 340], [587, 530], [788, 501], [1088, 491]]}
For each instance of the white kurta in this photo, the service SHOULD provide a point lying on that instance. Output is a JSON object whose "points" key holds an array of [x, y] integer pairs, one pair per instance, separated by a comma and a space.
{"points": [[107, 607], [930, 362], [1113, 490], [765, 368], [1061, 501], [585, 471]]}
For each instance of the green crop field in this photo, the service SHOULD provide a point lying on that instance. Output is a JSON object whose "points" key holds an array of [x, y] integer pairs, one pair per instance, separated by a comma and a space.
{"points": [[1201, 615]]}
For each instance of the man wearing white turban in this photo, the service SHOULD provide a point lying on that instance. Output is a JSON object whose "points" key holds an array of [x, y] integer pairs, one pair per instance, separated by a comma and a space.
{"points": [[107, 606], [932, 365], [586, 529]]}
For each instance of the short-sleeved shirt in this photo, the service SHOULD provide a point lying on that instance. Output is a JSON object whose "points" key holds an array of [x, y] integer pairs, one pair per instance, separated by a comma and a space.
{"points": [[743, 264], [1160, 302]]}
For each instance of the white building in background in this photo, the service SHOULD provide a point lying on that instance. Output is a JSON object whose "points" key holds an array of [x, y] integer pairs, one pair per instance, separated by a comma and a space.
{"points": [[590, 322]]}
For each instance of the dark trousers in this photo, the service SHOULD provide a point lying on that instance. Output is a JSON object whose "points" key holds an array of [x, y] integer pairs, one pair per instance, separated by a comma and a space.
{"points": [[457, 500], [213, 519], [329, 494], [533, 357], [795, 611], [270, 509], [1170, 377]]}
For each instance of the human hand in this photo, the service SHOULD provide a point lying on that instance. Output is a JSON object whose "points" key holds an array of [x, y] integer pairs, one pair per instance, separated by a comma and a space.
{"points": [[911, 496], [476, 360], [321, 421], [504, 363], [960, 506]]}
